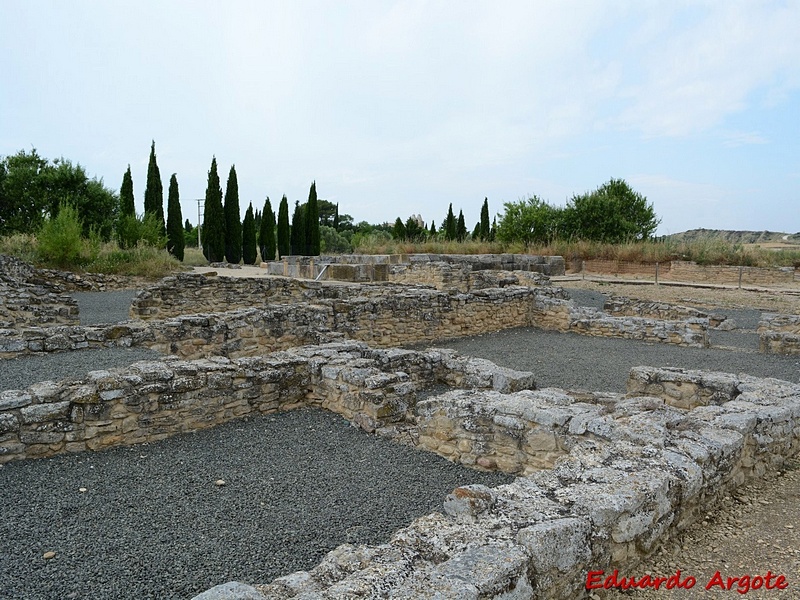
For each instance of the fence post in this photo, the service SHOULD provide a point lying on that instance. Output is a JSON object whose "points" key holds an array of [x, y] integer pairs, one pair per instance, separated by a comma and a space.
{"points": [[656, 273], [740, 276]]}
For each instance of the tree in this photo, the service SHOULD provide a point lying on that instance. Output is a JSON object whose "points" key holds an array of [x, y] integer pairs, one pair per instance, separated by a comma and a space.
{"points": [[175, 240], [485, 229], [249, 237], [312, 222], [32, 188], [213, 230], [461, 227], [154, 191], [336, 217], [529, 221], [127, 204], [414, 231], [449, 225], [399, 230], [476, 232], [233, 223], [299, 244], [433, 228], [613, 213], [22, 207], [284, 234], [266, 237], [333, 241]]}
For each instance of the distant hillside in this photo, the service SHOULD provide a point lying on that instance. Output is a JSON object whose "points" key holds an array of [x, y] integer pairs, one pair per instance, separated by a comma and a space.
{"points": [[737, 237]]}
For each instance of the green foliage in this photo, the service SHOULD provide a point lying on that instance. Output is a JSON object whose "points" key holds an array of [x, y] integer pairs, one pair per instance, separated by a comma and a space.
{"points": [[127, 205], [284, 239], [312, 222], [154, 190], [613, 213], [266, 237], [189, 238], [476, 232], [249, 253], [327, 213], [485, 230], [399, 230], [299, 243], [233, 223], [433, 228], [529, 221], [61, 242], [175, 238], [449, 225], [22, 204], [32, 188], [414, 232], [461, 227], [333, 242], [212, 234]]}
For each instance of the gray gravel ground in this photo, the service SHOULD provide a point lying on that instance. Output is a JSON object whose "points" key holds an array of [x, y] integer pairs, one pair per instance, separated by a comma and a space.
{"points": [[569, 360], [99, 308], [153, 524], [19, 373]]}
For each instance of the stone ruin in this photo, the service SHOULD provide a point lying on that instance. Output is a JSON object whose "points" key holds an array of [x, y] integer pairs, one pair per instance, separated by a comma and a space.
{"points": [[602, 479]]}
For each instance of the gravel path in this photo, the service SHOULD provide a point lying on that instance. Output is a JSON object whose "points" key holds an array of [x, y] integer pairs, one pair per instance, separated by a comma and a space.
{"points": [[19, 373], [99, 308], [153, 524], [569, 360]]}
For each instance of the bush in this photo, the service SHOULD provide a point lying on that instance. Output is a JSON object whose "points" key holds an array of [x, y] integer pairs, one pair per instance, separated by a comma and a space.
{"points": [[60, 241]]}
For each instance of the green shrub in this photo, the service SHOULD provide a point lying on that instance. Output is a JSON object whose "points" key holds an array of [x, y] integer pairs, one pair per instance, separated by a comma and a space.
{"points": [[60, 242]]}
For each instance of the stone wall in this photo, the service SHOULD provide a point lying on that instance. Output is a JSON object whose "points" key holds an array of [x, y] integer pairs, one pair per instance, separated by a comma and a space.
{"points": [[151, 400], [621, 306], [627, 473], [29, 300], [190, 293], [689, 271], [383, 316], [364, 268], [779, 334]]}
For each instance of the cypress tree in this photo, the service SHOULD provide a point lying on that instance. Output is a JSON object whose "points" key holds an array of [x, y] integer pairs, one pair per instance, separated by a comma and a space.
{"points": [[485, 229], [336, 218], [433, 227], [476, 233], [461, 227], [298, 229], [399, 230], [284, 235], [249, 237], [450, 225], [175, 239], [493, 230], [312, 222], [213, 231], [266, 237], [233, 223], [154, 191], [127, 207]]}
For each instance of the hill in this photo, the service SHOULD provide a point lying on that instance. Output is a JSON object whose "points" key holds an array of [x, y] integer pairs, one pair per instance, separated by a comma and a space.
{"points": [[764, 238]]}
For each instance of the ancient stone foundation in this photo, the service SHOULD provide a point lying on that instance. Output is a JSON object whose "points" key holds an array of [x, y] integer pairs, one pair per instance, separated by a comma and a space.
{"points": [[381, 315], [604, 479], [779, 334]]}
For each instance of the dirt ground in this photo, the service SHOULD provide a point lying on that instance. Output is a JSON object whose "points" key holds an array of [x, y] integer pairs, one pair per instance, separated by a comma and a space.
{"points": [[756, 530]]}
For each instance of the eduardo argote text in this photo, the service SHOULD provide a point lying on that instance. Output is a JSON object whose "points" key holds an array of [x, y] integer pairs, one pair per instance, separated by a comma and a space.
{"points": [[596, 580]]}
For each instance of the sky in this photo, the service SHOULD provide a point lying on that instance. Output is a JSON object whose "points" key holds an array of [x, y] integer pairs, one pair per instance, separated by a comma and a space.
{"points": [[402, 108]]}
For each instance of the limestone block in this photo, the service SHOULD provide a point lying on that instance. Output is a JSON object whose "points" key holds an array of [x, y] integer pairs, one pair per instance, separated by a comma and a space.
{"points": [[562, 544], [10, 399], [469, 501], [37, 413]]}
